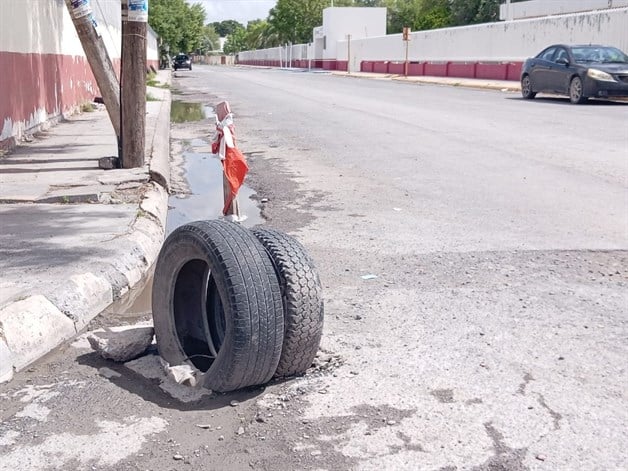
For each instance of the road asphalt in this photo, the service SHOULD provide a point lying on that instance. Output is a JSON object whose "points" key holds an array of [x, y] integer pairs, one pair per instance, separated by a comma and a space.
{"points": [[74, 237]]}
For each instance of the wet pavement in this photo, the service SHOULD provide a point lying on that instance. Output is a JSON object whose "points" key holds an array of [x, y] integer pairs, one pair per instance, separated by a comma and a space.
{"points": [[203, 172]]}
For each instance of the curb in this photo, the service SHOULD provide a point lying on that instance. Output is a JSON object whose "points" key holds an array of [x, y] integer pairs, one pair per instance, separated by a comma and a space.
{"points": [[32, 327], [510, 86]]}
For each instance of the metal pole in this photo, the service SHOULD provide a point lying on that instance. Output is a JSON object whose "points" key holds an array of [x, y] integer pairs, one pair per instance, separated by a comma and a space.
{"points": [[348, 53], [406, 65], [98, 59]]}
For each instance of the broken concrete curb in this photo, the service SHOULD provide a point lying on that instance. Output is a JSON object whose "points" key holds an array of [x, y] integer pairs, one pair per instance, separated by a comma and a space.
{"points": [[159, 165], [123, 345], [32, 327]]}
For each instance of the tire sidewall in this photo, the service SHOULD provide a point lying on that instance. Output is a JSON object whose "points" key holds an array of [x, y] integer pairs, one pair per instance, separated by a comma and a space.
{"points": [[174, 255]]}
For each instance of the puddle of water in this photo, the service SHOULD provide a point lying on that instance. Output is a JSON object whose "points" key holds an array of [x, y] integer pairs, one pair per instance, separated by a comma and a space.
{"points": [[182, 112], [204, 176], [132, 307]]}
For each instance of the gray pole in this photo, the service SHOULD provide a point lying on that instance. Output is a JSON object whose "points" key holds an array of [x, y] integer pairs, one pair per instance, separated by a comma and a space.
{"points": [[99, 61]]}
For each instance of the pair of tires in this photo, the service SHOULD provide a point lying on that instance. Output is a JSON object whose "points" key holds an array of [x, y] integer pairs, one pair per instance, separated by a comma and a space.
{"points": [[241, 306]]}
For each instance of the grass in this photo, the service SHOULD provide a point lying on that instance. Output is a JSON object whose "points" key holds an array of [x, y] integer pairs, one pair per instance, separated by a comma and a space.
{"points": [[151, 81], [150, 97]]}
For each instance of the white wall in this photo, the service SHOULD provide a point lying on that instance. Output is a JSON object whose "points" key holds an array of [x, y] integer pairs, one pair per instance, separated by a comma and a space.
{"points": [[45, 27], [283, 53], [152, 45], [537, 8], [358, 22], [504, 41]]}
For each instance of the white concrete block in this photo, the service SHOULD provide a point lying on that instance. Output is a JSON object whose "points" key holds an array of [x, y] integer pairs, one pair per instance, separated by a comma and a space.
{"points": [[6, 362]]}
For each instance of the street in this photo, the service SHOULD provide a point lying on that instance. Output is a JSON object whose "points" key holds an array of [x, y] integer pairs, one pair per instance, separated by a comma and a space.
{"points": [[473, 249]]}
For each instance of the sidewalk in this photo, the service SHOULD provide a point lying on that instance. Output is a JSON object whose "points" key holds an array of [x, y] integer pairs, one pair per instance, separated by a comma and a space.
{"points": [[504, 85], [74, 237]]}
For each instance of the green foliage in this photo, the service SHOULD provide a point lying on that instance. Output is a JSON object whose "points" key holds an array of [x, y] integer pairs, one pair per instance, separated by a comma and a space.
{"points": [[236, 42], [417, 14], [260, 34], [293, 20], [465, 12], [227, 27], [178, 24], [210, 41]]}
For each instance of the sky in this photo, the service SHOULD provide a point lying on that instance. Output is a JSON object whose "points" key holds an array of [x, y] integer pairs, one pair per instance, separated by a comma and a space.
{"points": [[239, 10]]}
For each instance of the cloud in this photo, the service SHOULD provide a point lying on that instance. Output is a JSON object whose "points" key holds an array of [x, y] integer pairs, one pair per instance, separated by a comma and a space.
{"points": [[239, 10]]}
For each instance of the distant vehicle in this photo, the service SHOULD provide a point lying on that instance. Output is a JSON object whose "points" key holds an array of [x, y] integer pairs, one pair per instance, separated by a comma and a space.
{"points": [[580, 72], [182, 61]]}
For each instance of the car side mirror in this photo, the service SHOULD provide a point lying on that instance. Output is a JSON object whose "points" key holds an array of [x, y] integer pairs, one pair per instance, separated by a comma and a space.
{"points": [[562, 61]]}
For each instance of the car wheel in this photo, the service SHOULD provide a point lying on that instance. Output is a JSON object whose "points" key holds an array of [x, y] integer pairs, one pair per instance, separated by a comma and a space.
{"points": [[576, 91], [526, 88], [217, 305]]}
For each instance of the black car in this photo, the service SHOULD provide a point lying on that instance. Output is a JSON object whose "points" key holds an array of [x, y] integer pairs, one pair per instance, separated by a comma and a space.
{"points": [[182, 61], [580, 72]]}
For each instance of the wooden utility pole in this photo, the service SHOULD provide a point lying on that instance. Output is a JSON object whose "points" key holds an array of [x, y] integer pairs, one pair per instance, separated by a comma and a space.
{"points": [[98, 58], [133, 83]]}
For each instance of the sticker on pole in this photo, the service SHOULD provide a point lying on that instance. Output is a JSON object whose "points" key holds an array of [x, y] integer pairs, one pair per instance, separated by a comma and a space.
{"points": [[81, 8], [138, 11]]}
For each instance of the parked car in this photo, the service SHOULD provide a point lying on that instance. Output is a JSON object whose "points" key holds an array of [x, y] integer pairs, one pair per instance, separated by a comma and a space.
{"points": [[580, 72], [182, 61]]}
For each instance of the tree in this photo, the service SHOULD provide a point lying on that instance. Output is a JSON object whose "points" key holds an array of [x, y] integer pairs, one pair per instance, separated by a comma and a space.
{"points": [[465, 12], [226, 27], [293, 20], [193, 32], [236, 41], [210, 41], [260, 35], [178, 24], [417, 14]]}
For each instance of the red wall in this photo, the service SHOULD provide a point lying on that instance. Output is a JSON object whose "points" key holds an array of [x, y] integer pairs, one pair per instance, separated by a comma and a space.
{"points": [[480, 70]]}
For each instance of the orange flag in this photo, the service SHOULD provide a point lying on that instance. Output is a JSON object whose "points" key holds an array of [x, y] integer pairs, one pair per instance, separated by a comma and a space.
{"points": [[235, 167]]}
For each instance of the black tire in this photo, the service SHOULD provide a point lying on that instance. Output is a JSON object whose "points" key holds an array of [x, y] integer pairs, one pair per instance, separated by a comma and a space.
{"points": [[301, 292], [217, 305], [576, 91], [526, 88]]}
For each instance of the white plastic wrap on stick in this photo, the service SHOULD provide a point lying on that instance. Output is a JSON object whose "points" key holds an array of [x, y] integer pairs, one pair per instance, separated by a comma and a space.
{"points": [[224, 135]]}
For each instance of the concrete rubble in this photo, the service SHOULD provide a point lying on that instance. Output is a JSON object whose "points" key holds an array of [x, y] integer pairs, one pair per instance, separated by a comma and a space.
{"points": [[124, 345]]}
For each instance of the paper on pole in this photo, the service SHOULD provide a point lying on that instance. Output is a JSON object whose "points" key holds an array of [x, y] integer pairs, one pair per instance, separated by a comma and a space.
{"points": [[138, 11]]}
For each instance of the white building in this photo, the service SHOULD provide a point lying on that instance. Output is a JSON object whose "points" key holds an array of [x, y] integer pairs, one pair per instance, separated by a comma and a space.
{"points": [[340, 22]]}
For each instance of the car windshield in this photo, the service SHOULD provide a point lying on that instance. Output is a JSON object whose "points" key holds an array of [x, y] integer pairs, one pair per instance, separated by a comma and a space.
{"points": [[182, 57], [600, 54]]}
